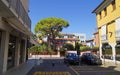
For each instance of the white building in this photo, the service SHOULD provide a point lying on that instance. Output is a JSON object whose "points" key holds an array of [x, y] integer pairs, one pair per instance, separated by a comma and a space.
{"points": [[81, 36]]}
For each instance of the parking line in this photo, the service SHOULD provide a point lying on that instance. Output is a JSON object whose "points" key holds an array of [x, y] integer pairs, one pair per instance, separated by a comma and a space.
{"points": [[74, 70], [51, 73]]}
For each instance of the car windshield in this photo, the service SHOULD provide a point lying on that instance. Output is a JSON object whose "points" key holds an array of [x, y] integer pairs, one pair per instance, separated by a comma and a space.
{"points": [[71, 55]]}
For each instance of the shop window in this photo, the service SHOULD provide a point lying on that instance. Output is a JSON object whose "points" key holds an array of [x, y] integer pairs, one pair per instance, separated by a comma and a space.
{"points": [[117, 47], [11, 52], [107, 51]]}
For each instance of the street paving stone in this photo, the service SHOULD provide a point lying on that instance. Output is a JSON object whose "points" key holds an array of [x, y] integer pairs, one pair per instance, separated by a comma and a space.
{"points": [[46, 68]]}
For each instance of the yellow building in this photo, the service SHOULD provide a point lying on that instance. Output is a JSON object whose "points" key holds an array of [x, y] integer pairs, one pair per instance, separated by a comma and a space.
{"points": [[108, 24]]}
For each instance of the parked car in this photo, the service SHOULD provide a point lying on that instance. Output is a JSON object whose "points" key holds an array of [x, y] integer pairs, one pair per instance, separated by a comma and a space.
{"points": [[72, 58], [92, 59]]}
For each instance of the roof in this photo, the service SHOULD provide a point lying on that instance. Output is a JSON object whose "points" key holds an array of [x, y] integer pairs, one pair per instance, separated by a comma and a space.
{"points": [[89, 40], [68, 39], [101, 6], [96, 33], [68, 34]]}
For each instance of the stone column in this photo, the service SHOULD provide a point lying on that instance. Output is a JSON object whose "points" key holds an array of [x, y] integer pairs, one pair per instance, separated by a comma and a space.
{"points": [[4, 52], [24, 50], [17, 52], [100, 49], [113, 51]]}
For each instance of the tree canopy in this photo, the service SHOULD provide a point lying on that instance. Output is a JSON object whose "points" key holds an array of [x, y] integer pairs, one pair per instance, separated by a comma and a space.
{"points": [[50, 28]]}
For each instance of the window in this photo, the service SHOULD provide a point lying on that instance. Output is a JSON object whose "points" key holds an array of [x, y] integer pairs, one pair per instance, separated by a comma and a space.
{"points": [[113, 5], [105, 11], [11, 52], [104, 32], [100, 15], [117, 29], [81, 37]]}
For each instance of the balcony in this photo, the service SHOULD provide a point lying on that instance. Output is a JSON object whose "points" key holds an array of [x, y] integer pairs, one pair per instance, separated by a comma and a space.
{"points": [[14, 12], [104, 38], [117, 35]]}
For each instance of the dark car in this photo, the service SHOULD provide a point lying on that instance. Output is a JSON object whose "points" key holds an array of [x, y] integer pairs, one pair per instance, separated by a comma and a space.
{"points": [[89, 58], [72, 58]]}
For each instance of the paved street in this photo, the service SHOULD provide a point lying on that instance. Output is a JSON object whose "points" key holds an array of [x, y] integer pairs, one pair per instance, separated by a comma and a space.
{"points": [[59, 68], [95, 70], [47, 68]]}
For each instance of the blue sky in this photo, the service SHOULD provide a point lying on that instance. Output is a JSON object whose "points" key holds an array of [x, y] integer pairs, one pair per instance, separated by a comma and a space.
{"points": [[77, 12]]}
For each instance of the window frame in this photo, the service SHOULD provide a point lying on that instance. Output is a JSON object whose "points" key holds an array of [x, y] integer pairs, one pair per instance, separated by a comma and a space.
{"points": [[113, 3], [100, 15]]}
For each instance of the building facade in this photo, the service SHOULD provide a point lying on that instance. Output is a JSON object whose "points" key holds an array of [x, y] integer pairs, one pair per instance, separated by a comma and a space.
{"points": [[15, 31], [66, 38], [82, 37], [96, 39], [108, 24]]}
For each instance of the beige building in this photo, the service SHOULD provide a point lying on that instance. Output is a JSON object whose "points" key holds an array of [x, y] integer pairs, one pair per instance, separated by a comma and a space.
{"points": [[15, 31]]}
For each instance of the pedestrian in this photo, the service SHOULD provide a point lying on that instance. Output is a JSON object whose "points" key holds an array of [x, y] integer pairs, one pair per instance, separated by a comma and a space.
{"points": [[53, 64]]}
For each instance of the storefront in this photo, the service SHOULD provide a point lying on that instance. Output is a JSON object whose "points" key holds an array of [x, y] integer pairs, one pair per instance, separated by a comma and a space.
{"points": [[107, 51], [11, 52], [117, 48], [13, 45]]}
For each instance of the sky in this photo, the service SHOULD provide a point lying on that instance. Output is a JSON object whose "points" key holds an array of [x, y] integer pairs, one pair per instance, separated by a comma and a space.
{"points": [[77, 12]]}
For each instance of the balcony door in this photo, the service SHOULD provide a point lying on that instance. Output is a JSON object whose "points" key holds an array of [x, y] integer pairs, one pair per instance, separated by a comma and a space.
{"points": [[103, 33]]}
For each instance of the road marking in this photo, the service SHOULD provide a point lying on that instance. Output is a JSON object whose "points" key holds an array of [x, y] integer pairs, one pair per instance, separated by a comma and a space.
{"points": [[51, 73], [74, 70], [91, 69]]}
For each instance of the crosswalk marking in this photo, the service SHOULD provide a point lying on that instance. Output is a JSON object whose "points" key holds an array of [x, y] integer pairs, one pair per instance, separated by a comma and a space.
{"points": [[52, 73]]}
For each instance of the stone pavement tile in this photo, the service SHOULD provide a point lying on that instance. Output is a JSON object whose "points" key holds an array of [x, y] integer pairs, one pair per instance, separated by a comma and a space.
{"points": [[46, 66], [22, 69], [109, 64]]}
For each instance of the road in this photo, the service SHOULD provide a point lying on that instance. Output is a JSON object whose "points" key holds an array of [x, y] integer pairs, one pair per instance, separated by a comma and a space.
{"points": [[59, 68], [94, 70], [46, 68]]}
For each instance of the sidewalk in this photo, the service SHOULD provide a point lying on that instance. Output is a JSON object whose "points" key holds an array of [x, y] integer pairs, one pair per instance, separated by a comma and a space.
{"points": [[23, 69], [110, 64]]}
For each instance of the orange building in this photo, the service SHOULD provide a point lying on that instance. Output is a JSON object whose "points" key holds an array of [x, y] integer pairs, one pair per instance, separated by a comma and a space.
{"points": [[67, 38], [96, 39]]}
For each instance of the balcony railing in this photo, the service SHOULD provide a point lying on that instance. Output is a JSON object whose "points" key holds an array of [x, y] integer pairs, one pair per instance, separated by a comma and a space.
{"points": [[104, 38], [117, 35], [19, 10]]}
